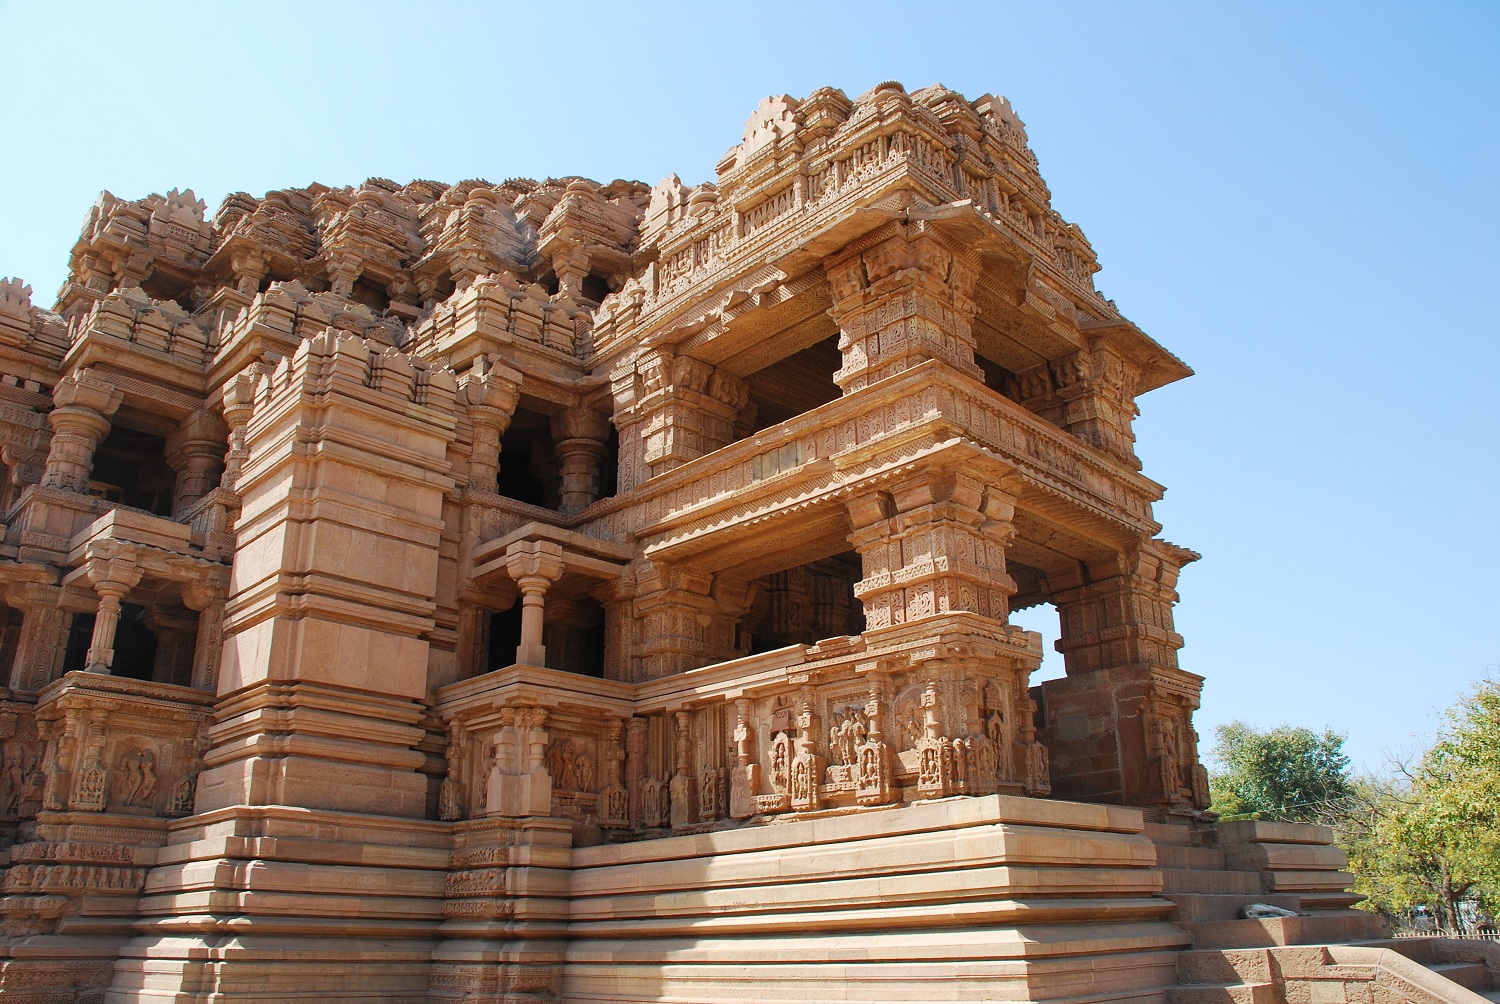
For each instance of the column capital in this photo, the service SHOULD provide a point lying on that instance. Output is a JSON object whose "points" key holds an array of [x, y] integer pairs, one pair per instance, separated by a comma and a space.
{"points": [[534, 563], [114, 576]]}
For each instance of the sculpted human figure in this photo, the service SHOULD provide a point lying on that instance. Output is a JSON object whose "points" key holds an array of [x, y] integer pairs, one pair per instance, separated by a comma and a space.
{"points": [[583, 772]]}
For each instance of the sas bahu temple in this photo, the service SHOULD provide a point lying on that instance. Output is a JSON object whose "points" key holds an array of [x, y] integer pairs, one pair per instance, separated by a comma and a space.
{"points": [[564, 591]]}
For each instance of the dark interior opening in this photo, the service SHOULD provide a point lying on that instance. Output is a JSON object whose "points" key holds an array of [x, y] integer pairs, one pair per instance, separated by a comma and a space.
{"points": [[505, 637], [370, 293], [800, 382], [806, 604], [135, 644], [548, 281], [528, 472], [596, 286], [573, 633], [609, 470], [999, 379], [270, 277], [161, 286], [131, 468]]}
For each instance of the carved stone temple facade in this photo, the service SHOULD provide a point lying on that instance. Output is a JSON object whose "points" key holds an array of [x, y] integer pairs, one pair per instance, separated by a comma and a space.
{"points": [[601, 592]]}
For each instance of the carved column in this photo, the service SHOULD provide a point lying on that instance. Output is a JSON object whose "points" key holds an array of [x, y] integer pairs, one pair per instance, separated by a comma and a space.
{"points": [[490, 390], [614, 798], [91, 779], [239, 404], [684, 787], [208, 599], [44, 635], [195, 450], [1090, 393], [79, 421], [175, 633], [745, 783], [580, 440], [519, 784], [1123, 687], [672, 409], [932, 545], [637, 734], [534, 565], [901, 298], [619, 628], [686, 620], [112, 579], [874, 778]]}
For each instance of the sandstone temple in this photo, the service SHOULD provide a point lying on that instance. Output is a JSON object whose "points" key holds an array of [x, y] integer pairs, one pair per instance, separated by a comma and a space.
{"points": [[564, 591]]}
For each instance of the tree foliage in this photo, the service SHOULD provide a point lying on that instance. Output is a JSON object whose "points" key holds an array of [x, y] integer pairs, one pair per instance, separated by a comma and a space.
{"points": [[1432, 835], [1428, 835], [1287, 774]]}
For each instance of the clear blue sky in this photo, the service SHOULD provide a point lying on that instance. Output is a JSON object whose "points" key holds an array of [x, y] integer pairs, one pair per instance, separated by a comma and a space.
{"points": [[1298, 199]]}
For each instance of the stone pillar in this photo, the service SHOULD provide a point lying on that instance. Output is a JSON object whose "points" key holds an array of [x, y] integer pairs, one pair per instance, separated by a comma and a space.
{"points": [[637, 735], [343, 272], [683, 623], [176, 644], [518, 784], [44, 635], [238, 395], [208, 600], [112, 579], [934, 544], [1090, 393], [744, 783], [534, 565], [683, 785], [195, 450], [619, 628], [490, 390], [248, 267], [79, 421], [580, 439], [326, 652], [672, 409], [900, 298], [1119, 725]]}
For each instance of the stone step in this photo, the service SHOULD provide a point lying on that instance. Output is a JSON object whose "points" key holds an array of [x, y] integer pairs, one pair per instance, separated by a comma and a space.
{"points": [[1195, 907], [1174, 856], [1222, 993], [1339, 927], [1491, 995], [1471, 975], [1328, 900], [1175, 834], [1224, 965], [1175, 880], [1417, 949]]}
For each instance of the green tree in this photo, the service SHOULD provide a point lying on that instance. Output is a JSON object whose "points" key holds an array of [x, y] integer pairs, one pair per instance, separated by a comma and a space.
{"points": [[1288, 773], [1431, 835]]}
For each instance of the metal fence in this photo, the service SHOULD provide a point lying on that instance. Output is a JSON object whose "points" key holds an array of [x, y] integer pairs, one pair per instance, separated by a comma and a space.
{"points": [[1467, 934]]}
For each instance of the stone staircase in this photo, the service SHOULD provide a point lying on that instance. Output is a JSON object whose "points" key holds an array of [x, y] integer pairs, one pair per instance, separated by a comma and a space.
{"points": [[1420, 971], [1328, 954]]}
